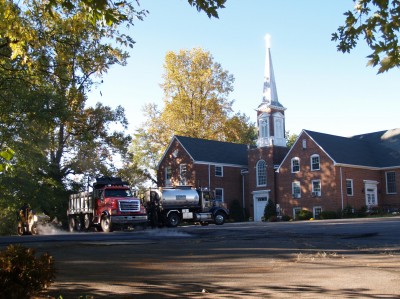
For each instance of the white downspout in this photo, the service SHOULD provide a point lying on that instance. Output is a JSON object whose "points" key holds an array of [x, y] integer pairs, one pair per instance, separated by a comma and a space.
{"points": [[341, 187]]}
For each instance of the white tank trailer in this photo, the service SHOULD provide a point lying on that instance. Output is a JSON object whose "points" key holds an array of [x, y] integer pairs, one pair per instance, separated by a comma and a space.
{"points": [[171, 206]]}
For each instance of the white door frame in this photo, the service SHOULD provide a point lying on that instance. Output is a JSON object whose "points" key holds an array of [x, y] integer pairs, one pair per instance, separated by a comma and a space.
{"points": [[371, 193], [256, 195]]}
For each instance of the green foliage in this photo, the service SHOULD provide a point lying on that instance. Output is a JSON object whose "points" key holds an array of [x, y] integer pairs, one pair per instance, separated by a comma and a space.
{"points": [[210, 7], [22, 274], [5, 156], [348, 212], [270, 211], [49, 61], [328, 215], [196, 105], [376, 22], [196, 95], [239, 129], [8, 223], [286, 218], [290, 139], [304, 215], [115, 12]]}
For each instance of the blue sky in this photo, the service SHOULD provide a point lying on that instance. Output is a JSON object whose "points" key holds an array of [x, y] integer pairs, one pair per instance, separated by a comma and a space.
{"points": [[323, 90]]}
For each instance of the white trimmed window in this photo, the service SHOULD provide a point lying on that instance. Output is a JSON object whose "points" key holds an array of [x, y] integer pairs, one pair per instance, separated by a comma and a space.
{"points": [[261, 173], [349, 187], [278, 124], [182, 172], [296, 212], [168, 175], [316, 212], [295, 165], [316, 188], [264, 128], [219, 194], [219, 170], [391, 182], [315, 162], [296, 191]]}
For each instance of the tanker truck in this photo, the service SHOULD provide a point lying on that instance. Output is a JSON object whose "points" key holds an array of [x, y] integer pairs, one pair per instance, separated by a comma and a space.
{"points": [[109, 205], [171, 206]]}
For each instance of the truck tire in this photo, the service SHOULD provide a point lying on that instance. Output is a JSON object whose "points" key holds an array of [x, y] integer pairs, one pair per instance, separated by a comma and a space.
{"points": [[71, 224], [219, 218], [173, 219], [34, 229], [20, 230], [78, 223], [86, 221], [105, 224]]}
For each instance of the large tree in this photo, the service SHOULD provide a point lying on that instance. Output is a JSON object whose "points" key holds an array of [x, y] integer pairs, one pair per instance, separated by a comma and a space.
{"points": [[196, 104], [113, 12], [43, 116], [378, 23]]}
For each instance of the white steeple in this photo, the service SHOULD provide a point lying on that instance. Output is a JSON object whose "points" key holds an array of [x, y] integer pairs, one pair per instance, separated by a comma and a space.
{"points": [[270, 113], [270, 94]]}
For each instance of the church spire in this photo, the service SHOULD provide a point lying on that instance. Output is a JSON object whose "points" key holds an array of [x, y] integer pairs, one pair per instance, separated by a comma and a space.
{"points": [[270, 113], [270, 93]]}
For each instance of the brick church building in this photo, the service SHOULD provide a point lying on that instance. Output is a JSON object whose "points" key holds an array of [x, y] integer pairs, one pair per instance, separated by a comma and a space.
{"points": [[320, 172]]}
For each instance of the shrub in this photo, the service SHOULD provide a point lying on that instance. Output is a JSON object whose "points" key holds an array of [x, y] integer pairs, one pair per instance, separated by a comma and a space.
{"points": [[270, 210], [273, 219], [328, 215], [286, 218], [348, 212], [8, 223], [304, 215], [22, 275]]}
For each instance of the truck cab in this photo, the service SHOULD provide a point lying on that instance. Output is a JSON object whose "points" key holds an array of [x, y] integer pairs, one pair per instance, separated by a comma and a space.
{"points": [[111, 204]]}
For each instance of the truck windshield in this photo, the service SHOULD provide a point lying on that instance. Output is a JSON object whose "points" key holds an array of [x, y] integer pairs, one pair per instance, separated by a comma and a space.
{"points": [[118, 193]]}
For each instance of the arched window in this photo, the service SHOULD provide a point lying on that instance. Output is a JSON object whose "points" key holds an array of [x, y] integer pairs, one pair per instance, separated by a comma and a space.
{"points": [[263, 128], [261, 173], [279, 128]]}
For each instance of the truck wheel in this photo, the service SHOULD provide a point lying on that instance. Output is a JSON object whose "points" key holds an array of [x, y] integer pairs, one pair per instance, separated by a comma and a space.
{"points": [[219, 218], [34, 229], [105, 224], [20, 230], [86, 221], [173, 220], [71, 224], [78, 223]]}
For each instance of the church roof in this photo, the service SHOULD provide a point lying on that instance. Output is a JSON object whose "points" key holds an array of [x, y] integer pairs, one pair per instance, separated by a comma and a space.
{"points": [[379, 149], [216, 152]]}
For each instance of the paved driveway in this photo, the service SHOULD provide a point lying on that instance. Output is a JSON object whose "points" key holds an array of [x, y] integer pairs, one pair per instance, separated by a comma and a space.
{"points": [[357, 258]]}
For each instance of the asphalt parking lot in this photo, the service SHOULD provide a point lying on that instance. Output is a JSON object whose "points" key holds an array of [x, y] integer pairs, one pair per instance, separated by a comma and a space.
{"points": [[357, 258]]}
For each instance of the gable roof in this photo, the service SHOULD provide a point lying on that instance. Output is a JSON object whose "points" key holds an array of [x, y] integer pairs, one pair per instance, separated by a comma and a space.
{"points": [[211, 151], [377, 150]]}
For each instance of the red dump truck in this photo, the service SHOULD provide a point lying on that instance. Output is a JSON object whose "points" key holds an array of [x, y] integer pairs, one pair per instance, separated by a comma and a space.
{"points": [[109, 205]]}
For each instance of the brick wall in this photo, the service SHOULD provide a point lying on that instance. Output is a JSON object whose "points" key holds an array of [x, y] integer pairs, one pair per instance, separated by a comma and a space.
{"points": [[201, 175], [333, 182]]}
